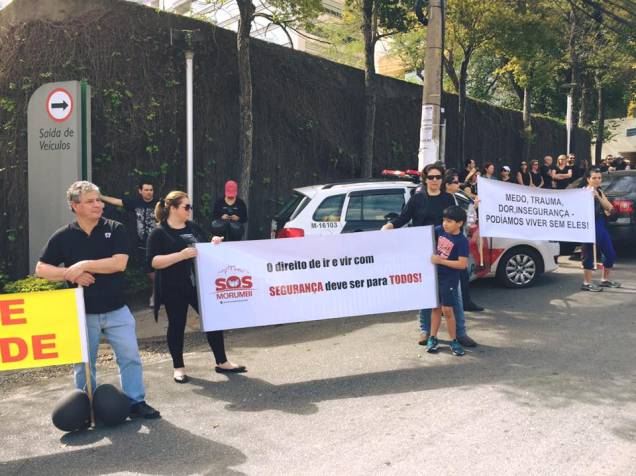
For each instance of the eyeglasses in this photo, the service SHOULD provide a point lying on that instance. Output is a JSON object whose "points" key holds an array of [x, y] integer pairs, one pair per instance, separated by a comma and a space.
{"points": [[434, 177], [187, 207]]}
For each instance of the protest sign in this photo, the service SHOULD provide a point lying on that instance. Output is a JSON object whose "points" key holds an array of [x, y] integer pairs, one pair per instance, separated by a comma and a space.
{"points": [[263, 282], [42, 329], [509, 210]]}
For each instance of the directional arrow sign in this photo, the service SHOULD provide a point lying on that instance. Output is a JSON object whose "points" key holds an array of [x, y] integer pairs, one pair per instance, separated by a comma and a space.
{"points": [[59, 105]]}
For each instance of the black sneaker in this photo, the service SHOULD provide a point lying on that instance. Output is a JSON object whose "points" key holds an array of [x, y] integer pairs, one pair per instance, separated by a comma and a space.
{"points": [[591, 287], [605, 283], [472, 307], [143, 410], [466, 341]]}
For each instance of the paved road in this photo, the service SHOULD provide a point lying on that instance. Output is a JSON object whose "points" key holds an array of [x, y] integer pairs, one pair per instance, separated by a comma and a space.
{"points": [[550, 390]]}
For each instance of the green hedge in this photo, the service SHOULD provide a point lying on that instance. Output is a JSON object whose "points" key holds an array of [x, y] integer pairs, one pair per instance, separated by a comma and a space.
{"points": [[31, 284]]}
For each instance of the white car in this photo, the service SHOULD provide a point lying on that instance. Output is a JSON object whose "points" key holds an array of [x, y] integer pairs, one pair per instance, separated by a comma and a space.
{"points": [[364, 205]]}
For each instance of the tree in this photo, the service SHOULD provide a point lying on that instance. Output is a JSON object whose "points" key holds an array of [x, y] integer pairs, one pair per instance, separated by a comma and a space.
{"points": [[288, 14], [470, 25], [529, 43], [380, 19]]}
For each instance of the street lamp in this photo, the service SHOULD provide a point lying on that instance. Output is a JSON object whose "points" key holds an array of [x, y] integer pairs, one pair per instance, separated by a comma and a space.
{"points": [[569, 120]]}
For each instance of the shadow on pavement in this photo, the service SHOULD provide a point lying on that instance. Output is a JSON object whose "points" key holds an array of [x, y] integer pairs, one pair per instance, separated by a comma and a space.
{"points": [[148, 447]]}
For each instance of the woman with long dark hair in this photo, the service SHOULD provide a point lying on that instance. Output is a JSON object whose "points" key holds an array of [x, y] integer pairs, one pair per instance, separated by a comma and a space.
{"points": [[535, 175], [523, 176], [602, 209], [171, 253]]}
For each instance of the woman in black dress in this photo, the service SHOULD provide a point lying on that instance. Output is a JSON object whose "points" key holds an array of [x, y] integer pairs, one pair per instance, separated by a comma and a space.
{"points": [[171, 253], [535, 175], [523, 176]]}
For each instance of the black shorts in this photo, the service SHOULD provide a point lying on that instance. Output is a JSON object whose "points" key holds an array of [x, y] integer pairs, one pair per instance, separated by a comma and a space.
{"points": [[447, 294]]}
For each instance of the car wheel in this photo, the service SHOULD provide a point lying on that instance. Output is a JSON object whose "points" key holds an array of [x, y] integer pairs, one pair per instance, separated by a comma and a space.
{"points": [[519, 267]]}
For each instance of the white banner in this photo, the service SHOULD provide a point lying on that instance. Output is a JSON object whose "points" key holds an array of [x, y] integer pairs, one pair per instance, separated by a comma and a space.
{"points": [[509, 210], [263, 282]]}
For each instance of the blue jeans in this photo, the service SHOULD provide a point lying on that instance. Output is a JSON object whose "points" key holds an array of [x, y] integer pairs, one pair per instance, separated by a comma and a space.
{"points": [[458, 310], [119, 328]]}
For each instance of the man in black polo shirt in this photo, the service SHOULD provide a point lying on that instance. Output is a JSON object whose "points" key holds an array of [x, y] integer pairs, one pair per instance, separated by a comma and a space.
{"points": [[94, 252]]}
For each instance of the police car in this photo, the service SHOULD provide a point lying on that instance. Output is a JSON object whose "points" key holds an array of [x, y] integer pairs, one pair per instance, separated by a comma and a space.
{"points": [[367, 204]]}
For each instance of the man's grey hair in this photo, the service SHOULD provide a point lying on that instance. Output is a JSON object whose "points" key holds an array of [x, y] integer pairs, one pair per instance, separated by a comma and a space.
{"points": [[75, 191]]}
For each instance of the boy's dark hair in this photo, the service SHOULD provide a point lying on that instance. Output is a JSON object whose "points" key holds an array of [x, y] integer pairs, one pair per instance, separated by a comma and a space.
{"points": [[455, 213], [467, 162], [144, 181]]}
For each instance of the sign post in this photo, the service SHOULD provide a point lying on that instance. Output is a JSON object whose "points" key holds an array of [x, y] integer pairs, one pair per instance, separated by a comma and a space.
{"points": [[59, 154]]}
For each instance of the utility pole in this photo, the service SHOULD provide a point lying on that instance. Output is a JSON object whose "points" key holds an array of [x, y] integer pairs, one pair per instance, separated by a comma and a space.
{"points": [[429, 151]]}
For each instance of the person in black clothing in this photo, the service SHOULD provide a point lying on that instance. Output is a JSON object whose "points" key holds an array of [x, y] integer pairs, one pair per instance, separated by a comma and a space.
{"points": [[143, 207], [468, 172], [523, 176], [229, 213], [95, 252], [535, 175], [547, 172], [562, 173], [171, 251], [427, 208]]}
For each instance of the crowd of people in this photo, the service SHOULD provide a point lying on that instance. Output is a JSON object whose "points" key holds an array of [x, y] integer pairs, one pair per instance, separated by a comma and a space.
{"points": [[93, 252], [547, 174]]}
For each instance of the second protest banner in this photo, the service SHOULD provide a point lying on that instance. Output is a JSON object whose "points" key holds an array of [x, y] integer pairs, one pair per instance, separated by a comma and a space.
{"points": [[263, 282], [516, 211]]}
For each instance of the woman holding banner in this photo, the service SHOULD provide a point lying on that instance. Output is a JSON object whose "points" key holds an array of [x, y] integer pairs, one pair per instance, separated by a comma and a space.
{"points": [[171, 252], [602, 209], [426, 207]]}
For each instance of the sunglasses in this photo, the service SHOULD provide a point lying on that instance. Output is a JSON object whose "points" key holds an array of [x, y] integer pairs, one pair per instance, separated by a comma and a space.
{"points": [[434, 177], [454, 181], [187, 207]]}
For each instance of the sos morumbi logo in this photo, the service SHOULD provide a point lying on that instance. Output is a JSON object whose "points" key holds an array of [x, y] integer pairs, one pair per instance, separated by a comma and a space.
{"points": [[233, 285]]}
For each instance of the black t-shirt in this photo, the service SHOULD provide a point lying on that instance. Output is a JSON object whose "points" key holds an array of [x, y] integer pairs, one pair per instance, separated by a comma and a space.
{"points": [[424, 209], [71, 244], [165, 240], [536, 178], [525, 177], [222, 208], [546, 173], [145, 216], [562, 183]]}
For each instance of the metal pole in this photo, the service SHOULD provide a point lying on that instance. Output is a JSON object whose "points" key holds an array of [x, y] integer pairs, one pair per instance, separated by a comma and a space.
{"points": [[190, 134], [568, 123], [432, 90]]}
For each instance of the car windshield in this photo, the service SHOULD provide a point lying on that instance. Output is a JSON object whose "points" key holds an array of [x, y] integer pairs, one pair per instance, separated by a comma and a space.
{"points": [[289, 207], [624, 184]]}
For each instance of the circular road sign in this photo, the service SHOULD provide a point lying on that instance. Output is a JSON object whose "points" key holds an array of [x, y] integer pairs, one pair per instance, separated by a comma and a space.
{"points": [[59, 105]]}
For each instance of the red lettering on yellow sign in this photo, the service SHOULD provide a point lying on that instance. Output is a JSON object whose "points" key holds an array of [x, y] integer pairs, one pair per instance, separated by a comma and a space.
{"points": [[15, 349], [6, 311]]}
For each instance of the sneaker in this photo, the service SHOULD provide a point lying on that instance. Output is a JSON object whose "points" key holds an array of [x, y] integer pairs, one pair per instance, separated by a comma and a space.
{"points": [[605, 283], [456, 348], [591, 287], [472, 307], [431, 344], [466, 341], [143, 410], [423, 339]]}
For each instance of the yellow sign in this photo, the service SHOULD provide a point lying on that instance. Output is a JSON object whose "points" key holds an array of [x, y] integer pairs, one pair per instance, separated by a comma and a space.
{"points": [[42, 329]]}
